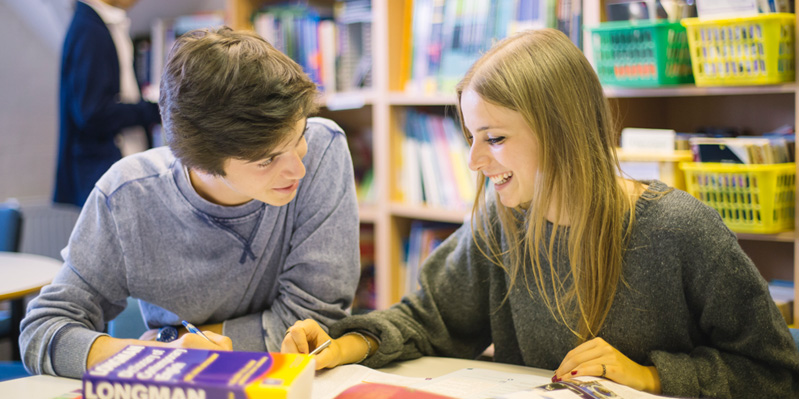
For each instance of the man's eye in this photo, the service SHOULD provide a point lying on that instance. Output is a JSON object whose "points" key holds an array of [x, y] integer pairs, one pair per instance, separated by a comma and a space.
{"points": [[265, 163]]}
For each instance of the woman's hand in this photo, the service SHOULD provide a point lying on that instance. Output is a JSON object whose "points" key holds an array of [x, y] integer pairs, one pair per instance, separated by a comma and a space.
{"points": [[598, 358], [304, 336]]}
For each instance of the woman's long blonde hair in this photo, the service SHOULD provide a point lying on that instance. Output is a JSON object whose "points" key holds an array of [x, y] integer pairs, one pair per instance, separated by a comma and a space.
{"points": [[544, 77]]}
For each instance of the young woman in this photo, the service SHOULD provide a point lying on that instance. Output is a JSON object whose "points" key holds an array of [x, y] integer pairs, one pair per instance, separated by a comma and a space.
{"points": [[567, 266]]}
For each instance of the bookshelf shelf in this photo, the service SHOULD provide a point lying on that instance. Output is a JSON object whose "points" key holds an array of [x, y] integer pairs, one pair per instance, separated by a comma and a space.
{"points": [[409, 99], [367, 213], [787, 236], [694, 91], [347, 100], [428, 213]]}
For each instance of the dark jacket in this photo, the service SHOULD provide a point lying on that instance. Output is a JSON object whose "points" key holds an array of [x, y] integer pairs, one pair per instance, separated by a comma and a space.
{"points": [[90, 112]]}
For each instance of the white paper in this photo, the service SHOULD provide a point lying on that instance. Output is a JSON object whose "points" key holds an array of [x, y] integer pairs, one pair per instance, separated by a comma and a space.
{"points": [[648, 140], [641, 170], [475, 383], [726, 8]]}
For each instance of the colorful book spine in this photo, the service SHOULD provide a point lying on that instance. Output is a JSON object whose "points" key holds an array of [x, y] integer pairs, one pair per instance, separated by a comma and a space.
{"points": [[157, 372]]}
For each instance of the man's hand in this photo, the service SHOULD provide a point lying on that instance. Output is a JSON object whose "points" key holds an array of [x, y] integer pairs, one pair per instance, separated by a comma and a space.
{"points": [[105, 346], [152, 334]]}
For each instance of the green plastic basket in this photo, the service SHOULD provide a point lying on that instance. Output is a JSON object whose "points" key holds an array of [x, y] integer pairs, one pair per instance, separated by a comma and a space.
{"points": [[641, 53]]}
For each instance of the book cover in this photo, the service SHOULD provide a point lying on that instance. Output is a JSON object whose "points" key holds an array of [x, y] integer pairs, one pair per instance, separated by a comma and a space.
{"points": [[156, 372], [385, 391]]}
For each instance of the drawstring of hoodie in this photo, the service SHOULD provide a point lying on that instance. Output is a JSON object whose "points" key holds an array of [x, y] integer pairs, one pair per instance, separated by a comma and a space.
{"points": [[246, 243]]}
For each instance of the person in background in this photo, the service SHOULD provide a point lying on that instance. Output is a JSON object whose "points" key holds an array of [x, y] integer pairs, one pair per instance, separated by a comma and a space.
{"points": [[101, 112], [567, 266], [245, 223]]}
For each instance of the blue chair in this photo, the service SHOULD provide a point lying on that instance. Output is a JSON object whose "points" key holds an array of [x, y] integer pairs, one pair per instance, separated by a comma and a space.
{"points": [[10, 227], [129, 323], [10, 370], [10, 234]]}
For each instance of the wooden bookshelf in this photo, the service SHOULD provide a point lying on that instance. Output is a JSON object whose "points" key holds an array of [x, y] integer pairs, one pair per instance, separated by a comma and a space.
{"points": [[428, 213], [757, 109], [683, 107]]}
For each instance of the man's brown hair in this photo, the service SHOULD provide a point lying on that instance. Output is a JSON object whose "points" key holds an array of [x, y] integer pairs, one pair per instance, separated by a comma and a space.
{"points": [[230, 94]]}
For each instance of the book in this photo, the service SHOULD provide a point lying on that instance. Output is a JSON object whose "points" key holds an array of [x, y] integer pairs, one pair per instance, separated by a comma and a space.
{"points": [[423, 239], [740, 150], [782, 293], [145, 371], [386, 391]]}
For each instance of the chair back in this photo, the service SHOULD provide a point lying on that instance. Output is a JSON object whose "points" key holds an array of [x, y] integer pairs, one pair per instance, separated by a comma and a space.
{"points": [[10, 227], [129, 323]]}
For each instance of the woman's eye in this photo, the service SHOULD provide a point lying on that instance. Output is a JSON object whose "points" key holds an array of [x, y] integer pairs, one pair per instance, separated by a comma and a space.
{"points": [[265, 163], [495, 140]]}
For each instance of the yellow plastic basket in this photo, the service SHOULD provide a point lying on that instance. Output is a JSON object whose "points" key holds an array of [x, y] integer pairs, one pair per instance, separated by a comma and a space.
{"points": [[750, 198], [742, 51]]}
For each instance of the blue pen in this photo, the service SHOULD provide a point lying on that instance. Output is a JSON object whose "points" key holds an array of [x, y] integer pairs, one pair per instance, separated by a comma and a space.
{"points": [[194, 330]]}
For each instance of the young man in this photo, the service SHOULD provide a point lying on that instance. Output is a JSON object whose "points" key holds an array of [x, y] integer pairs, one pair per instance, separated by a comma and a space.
{"points": [[247, 223]]}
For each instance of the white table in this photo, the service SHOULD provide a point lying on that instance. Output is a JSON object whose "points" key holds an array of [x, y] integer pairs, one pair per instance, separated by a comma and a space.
{"points": [[430, 366], [48, 387], [23, 274]]}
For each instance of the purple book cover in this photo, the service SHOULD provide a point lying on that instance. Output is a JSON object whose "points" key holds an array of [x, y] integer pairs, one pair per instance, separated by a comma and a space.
{"points": [[154, 372]]}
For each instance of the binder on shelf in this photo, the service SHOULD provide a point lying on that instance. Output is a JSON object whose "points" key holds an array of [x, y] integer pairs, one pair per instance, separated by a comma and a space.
{"points": [[354, 56]]}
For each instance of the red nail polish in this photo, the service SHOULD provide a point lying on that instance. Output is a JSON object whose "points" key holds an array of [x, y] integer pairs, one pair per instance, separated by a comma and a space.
{"points": [[555, 379], [574, 372]]}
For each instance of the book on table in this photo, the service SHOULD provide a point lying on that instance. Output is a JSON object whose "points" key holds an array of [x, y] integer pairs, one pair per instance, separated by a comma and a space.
{"points": [[156, 372]]}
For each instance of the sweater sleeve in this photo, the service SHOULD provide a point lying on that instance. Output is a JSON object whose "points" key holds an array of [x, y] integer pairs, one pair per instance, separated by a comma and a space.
{"points": [[321, 271], [743, 348], [66, 317], [447, 316]]}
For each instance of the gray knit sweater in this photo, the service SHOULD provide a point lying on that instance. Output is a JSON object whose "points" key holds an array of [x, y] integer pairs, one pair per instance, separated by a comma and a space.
{"points": [[146, 233], [695, 307]]}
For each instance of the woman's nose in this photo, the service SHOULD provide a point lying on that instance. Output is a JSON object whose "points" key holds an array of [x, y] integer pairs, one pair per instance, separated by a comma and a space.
{"points": [[477, 157]]}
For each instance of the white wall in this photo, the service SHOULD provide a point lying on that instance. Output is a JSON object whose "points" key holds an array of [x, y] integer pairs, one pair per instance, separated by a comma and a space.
{"points": [[28, 101], [32, 32]]}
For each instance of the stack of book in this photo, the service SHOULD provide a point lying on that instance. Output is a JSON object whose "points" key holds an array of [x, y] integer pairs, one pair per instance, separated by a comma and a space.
{"points": [[333, 45], [365, 298], [444, 37], [432, 159], [423, 239]]}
